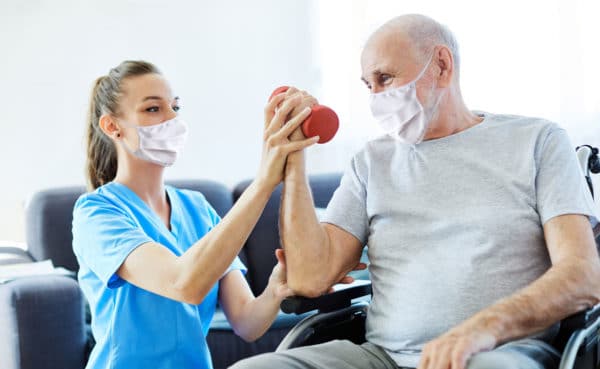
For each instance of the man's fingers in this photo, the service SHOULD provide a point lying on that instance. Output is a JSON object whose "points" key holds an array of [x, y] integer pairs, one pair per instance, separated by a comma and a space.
{"points": [[459, 356], [290, 91]]}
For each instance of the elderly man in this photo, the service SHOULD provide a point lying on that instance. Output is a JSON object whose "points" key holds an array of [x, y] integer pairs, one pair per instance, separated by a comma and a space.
{"points": [[478, 224]]}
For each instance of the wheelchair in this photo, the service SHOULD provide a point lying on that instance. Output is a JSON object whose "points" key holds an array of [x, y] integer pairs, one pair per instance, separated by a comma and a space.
{"points": [[342, 314]]}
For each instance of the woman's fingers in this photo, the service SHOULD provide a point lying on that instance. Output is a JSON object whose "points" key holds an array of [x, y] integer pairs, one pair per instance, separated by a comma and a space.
{"points": [[346, 280], [300, 145], [281, 114], [293, 123], [360, 266], [271, 108], [280, 255]]}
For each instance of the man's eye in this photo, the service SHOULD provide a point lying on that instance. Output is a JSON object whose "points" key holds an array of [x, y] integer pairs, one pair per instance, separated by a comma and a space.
{"points": [[384, 78], [152, 109]]}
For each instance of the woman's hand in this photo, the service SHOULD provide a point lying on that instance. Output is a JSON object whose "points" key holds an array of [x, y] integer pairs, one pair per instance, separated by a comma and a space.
{"points": [[277, 280], [307, 101], [276, 142]]}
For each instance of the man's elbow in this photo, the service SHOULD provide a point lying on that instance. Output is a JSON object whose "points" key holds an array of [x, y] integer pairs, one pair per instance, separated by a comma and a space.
{"points": [[584, 280], [592, 275], [306, 287]]}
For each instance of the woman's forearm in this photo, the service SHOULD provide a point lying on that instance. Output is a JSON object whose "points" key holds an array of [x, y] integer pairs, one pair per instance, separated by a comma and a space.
{"points": [[206, 261], [257, 315]]}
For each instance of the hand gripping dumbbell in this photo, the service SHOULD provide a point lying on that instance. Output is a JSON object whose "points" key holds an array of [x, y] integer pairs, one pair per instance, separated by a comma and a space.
{"points": [[322, 121]]}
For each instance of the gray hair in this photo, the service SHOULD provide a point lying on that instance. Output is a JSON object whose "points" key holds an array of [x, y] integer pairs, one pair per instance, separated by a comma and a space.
{"points": [[425, 33]]}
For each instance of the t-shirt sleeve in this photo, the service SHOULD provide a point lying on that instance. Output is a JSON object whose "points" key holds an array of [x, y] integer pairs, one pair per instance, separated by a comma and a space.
{"points": [[215, 219], [347, 208], [103, 236], [560, 185]]}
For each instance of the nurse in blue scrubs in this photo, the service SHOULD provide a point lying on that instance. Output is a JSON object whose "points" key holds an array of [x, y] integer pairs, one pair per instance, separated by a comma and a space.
{"points": [[154, 259]]}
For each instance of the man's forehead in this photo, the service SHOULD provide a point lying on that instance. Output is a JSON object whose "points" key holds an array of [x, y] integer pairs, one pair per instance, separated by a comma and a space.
{"points": [[384, 54]]}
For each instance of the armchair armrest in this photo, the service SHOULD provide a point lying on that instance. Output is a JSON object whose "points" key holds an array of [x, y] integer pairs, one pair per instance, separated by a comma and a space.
{"points": [[14, 255], [342, 297], [42, 320]]}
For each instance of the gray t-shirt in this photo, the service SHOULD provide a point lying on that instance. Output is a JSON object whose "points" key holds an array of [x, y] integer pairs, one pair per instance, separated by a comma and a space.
{"points": [[455, 224]]}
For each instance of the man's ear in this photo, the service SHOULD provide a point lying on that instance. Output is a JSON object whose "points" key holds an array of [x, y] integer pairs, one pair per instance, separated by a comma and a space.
{"points": [[109, 126], [445, 61]]}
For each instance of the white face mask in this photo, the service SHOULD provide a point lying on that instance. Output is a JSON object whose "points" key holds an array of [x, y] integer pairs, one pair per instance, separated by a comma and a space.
{"points": [[399, 112], [160, 143]]}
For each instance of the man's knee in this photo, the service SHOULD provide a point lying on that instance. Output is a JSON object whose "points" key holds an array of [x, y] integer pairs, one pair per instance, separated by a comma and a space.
{"points": [[269, 360], [523, 354], [494, 360]]}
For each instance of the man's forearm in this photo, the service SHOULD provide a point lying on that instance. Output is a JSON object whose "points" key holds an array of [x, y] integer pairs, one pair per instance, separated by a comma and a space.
{"points": [[563, 290], [303, 238]]}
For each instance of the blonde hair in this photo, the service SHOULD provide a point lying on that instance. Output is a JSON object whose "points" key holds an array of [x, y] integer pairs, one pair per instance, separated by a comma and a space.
{"points": [[101, 163]]}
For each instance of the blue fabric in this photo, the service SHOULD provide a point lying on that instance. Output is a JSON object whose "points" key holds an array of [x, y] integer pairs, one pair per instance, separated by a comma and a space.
{"points": [[135, 328]]}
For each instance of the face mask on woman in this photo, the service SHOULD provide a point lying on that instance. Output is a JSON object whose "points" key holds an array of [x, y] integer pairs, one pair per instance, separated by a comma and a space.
{"points": [[160, 143]]}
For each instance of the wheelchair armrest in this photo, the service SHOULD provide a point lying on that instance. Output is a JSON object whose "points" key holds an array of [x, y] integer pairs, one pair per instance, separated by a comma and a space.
{"points": [[338, 299], [576, 322], [582, 319]]}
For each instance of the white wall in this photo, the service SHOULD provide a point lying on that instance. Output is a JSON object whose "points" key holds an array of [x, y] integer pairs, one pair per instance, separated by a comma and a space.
{"points": [[225, 57], [222, 57]]}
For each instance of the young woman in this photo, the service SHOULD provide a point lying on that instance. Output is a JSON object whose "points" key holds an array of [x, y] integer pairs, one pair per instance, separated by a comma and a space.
{"points": [[154, 260]]}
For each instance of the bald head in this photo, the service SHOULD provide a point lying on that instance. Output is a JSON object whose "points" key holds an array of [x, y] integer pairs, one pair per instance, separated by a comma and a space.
{"points": [[419, 35]]}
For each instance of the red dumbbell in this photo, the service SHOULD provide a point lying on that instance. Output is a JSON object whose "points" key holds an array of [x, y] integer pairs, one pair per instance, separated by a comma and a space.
{"points": [[322, 121]]}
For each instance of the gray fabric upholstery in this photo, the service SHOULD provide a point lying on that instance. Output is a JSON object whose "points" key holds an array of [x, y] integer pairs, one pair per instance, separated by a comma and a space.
{"points": [[48, 219], [14, 255], [42, 324]]}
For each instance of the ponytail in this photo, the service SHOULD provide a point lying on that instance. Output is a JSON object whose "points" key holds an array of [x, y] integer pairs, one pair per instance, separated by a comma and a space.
{"points": [[102, 163]]}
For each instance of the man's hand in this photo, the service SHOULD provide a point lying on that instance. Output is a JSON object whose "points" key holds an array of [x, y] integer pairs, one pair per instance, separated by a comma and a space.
{"points": [[453, 349]]}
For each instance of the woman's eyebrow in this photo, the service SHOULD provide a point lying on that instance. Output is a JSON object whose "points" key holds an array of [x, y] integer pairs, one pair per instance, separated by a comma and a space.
{"points": [[176, 98]]}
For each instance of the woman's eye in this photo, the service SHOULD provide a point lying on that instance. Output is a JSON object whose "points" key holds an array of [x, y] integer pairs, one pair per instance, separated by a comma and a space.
{"points": [[176, 108], [152, 109]]}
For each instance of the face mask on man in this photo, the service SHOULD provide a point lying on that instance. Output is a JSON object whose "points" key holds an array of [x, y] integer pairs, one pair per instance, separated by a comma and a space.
{"points": [[399, 112], [160, 143]]}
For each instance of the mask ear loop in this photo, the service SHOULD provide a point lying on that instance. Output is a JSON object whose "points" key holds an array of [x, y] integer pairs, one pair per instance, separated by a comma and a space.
{"points": [[122, 142]]}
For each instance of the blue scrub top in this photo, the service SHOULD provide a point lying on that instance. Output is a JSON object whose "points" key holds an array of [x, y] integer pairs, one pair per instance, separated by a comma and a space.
{"points": [[135, 328]]}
